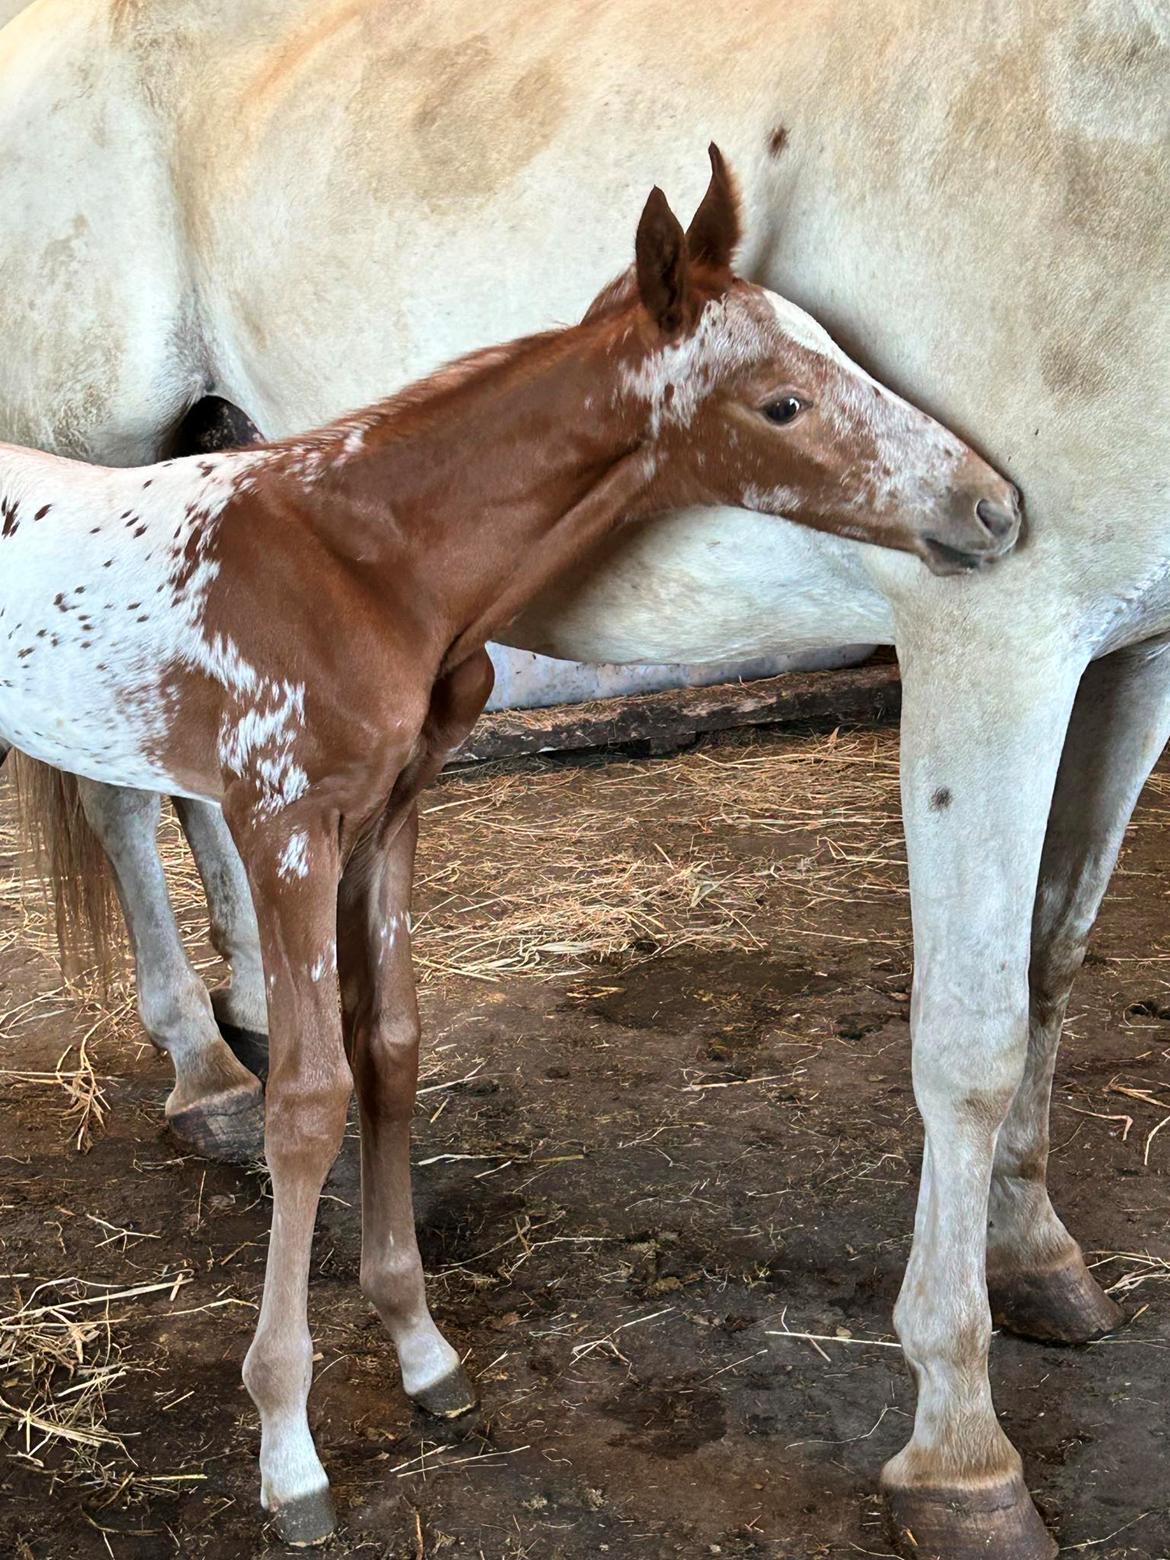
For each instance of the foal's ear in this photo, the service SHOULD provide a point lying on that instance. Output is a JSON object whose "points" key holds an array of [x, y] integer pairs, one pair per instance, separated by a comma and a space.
{"points": [[714, 233], [663, 266]]}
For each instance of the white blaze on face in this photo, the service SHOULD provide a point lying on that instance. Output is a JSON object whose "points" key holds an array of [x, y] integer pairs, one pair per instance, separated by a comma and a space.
{"points": [[806, 332], [910, 459]]}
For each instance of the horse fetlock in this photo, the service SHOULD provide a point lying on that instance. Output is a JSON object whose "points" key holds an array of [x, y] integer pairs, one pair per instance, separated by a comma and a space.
{"points": [[294, 1488], [242, 1004], [425, 1357], [1023, 1228], [177, 1017], [956, 1444]]}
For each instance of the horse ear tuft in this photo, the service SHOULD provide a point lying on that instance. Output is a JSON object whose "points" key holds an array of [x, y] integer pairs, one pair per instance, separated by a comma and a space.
{"points": [[714, 233], [662, 266]]}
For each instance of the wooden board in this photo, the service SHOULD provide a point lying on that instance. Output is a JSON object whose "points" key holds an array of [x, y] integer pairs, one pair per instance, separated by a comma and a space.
{"points": [[664, 722]]}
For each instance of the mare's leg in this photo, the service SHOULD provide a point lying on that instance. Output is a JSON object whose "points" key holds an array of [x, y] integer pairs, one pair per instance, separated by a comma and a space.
{"points": [[381, 1016], [983, 728], [216, 1106], [240, 1007], [308, 1089], [1037, 1278]]}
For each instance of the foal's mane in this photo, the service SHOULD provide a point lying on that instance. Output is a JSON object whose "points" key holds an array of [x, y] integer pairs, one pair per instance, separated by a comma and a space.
{"points": [[417, 406], [414, 408]]}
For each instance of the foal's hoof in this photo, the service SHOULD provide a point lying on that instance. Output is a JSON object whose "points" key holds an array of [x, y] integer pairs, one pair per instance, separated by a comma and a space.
{"points": [[227, 1126], [998, 1522], [308, 1520], [1062, 1304], [450, 1398], [248, 1046]]}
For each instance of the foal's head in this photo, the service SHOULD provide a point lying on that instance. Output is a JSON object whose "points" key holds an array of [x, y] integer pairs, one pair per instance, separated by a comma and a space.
{"points": [[752, 404]]}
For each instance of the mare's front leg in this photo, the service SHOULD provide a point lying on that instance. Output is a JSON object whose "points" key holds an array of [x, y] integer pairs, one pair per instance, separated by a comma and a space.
{"points": [[381, 1016], [216, 1107], [239, 1007], [1037, 1278], [983, 727], [295, 892]]}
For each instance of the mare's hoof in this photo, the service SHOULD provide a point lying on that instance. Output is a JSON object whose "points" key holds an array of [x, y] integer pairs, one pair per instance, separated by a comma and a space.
{"points": [[996, 1522], [308, 1520], [248, 1046], [227, 1126], [1062, 1304], [450, 1398]]}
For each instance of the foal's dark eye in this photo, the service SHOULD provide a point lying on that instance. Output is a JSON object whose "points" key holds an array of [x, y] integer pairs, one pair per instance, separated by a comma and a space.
{"points": [[785, 410]]}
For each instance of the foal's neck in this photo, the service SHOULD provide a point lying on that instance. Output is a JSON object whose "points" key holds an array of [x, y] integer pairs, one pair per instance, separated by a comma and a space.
{"points": [[493, 478]]}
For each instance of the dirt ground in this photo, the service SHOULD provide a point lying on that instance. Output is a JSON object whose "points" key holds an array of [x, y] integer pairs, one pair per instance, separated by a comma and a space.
{"points": [[667, 1117]]}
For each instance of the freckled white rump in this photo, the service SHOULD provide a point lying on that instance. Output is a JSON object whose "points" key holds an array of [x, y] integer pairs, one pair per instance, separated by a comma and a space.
{"points": [[103, 581]]}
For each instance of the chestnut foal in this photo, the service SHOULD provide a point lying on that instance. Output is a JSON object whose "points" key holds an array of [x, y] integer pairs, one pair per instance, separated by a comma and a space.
{"points": [[297, 633]]}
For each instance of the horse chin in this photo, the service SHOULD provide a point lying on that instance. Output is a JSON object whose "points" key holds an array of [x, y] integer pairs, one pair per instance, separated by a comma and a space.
{"points": [[942, 559]]}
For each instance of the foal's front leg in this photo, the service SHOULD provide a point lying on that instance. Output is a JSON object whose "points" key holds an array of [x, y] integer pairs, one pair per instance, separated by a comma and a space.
{"points": [[381, 1016], [309, 1085]]}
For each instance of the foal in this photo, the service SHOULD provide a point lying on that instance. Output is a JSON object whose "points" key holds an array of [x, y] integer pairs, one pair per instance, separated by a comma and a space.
{"points": [[297, 632]]}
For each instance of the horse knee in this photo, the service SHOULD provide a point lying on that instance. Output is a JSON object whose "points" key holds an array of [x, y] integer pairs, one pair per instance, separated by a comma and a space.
{"points": [[305, 1118], [970, 1045]]}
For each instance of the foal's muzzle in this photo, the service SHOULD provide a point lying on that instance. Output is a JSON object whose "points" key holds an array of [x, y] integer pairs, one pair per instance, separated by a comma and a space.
{"points": [[981, 524]]}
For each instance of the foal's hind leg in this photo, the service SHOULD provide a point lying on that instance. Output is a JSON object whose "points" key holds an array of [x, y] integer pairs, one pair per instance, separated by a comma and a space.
{"points": [[381, 1016], [1037, 1278], [216, 1107]]}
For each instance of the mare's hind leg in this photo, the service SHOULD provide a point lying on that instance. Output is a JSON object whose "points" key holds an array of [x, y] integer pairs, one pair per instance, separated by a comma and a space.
{"points": [[216, 1107], [240, 1007], [1037, 1279]]}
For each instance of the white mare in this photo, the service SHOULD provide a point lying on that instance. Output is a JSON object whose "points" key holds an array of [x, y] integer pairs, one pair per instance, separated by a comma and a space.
{"points": [[284, 204]]}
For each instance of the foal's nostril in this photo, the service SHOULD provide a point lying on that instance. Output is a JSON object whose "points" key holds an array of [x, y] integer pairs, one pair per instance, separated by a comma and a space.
{"points": [[997, 522]]}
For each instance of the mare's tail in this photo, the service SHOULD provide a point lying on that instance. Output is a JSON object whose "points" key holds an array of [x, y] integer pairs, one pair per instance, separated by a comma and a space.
{"points": [[70, 863]]}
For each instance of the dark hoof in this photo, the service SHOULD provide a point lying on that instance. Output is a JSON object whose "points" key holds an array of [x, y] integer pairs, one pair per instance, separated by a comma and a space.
{"points": [[1059, 1305], [997, 1522], [229, 1127], [248, 1047], [450, 1398], [304, 1522]]}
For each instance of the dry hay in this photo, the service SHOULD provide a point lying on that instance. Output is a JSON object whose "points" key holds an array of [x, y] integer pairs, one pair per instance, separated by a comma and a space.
{"points": [[60, 1354], [594, 873]]}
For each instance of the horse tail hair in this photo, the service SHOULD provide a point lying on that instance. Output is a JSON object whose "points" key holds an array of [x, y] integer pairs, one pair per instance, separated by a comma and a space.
{"points": [[71, 867]]}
